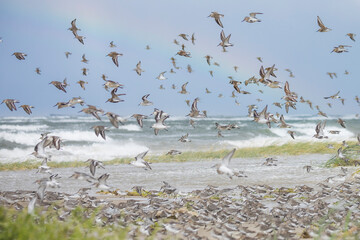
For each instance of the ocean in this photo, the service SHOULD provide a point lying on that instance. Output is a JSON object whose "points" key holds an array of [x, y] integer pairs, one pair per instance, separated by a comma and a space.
{"points": [[19, 135]]}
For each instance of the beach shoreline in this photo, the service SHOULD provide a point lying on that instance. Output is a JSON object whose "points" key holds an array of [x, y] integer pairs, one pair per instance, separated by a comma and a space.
{"points": [[289, 149]]}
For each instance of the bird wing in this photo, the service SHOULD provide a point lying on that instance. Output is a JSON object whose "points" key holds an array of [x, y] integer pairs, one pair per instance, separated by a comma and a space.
{"points": [[222, 35], [218, 21], [141, 155], [320, 23], [227, 158]]}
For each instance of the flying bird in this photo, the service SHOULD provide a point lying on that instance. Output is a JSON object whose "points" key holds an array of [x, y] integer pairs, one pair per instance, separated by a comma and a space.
{"points": [[114, 56], [322, 26], [252, 18], [217, 17], [140, 162]]}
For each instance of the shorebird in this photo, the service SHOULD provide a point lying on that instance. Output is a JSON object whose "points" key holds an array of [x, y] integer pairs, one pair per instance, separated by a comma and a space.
{"points": [[340, 154], [76, 100], [111, 84], [84, 60], [189, 68], [160, 117], [270, 162], [185, 138], [114, 119], [19, 55], [173, 152], [60, 85], [262, 117], [341, 122], [145, 101], [235, 85], [219, 134], [308, 168], [139, 118], [161, 76], [115, 96], [93, 111], [252, 18], [84, 71], [99, 130], [208, 58], [38, 71], [82, 176], [291, 133], [62, 105], [44, 168], [193, 38], [277, 104], [222, 127], [39, 150], [335, 96], [82, 83], [67, 54], [192, 123], [147, 47], [10, 103], [183, 88], [140, 162], [340, 49], [331, 75], [265, 75], [184, 36], [27, 108], [114, 56], [112, 45], [73, 27], [322, 26], [195, 113], [80, 39], [94, 164], [289, 96], [351, 36], [223, 167], [101, 184], [217, 17], [138, 69], [320, 130], [225, 41], [166, 188], [283, 124]]}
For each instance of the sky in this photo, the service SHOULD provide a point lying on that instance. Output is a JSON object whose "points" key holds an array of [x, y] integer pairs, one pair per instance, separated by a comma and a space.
{"points": [[286, 36]]}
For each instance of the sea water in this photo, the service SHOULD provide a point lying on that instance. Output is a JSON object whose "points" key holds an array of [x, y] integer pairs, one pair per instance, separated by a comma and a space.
{"points": [[19, 135]]}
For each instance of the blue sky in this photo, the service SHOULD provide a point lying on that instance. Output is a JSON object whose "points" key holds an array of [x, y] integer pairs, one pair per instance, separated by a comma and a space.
{"points": [[286, 37]]}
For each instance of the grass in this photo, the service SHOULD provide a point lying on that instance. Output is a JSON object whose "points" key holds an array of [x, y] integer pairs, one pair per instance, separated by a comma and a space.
{"points": [[250, 152], [22, 226], [352, 155]]}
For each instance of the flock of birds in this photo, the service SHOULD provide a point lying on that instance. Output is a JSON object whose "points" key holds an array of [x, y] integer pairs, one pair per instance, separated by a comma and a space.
{"points": [[266, 78]]}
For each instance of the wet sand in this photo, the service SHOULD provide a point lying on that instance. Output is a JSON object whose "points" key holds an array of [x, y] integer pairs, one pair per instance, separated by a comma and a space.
{"points": [[186, 176], [282, 201]]}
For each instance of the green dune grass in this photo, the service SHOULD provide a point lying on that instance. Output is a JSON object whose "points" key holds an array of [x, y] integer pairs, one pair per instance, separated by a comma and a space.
{"points": [[274, 150], [22, 226]]}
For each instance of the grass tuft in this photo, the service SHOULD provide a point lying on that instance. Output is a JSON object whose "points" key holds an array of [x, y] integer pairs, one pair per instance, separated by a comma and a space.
{"points": [[250, 152]]}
